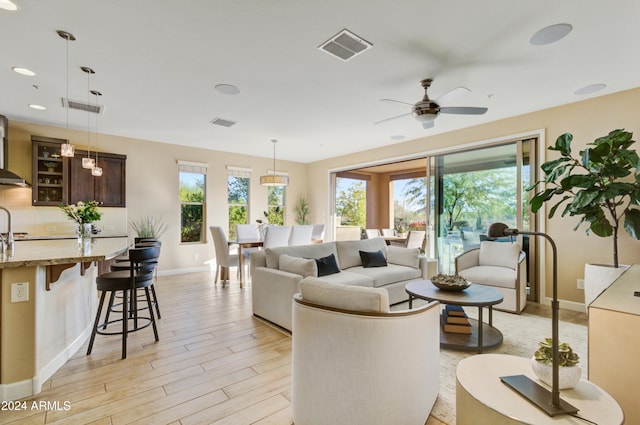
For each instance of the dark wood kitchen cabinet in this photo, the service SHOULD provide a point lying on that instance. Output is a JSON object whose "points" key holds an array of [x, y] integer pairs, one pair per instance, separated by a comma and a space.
{"points": [[57, 180], [109, 190], [50, 172]]}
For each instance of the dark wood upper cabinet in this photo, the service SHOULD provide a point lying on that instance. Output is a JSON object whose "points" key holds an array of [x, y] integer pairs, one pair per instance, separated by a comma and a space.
{"points": [[57, 180], [109, 190], [50, 174]]}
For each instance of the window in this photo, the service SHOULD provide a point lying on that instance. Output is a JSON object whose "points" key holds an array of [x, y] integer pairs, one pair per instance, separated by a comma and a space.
{"points": [[192, 201], [351, 202], [237, 197], [276, 205]]}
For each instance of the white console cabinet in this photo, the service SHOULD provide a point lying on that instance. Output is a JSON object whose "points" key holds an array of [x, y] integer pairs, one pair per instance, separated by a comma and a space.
{"points": [[614, 342]]}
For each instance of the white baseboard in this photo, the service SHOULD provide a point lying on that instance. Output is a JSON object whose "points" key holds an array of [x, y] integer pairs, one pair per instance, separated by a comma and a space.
{"points": [[33, 386], [52, 367], [16, 390], [567, 305], [183, 271]]}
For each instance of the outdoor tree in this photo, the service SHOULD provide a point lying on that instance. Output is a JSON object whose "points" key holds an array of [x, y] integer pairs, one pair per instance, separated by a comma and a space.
{"points": [[351, 204], [237, 198], [192, 200]]}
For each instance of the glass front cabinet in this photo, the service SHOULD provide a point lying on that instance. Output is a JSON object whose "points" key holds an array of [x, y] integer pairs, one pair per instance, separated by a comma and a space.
{"points": [[50, 172]]}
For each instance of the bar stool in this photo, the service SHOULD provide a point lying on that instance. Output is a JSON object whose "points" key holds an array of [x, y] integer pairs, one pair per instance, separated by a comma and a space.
{"points": [[127, 281], [149, 264]]}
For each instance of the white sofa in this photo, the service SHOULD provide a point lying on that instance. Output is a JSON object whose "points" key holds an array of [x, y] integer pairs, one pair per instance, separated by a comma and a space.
{"points": [[354, 362], [274, 282], [501, 266]]}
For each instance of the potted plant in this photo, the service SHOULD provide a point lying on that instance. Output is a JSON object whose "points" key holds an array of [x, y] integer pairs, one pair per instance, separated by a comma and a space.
{"points": [[302, 211], [149, 227], [601, 186], [569, 372]]}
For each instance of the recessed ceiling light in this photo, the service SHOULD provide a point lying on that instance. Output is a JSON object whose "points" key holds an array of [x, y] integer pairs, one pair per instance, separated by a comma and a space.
{"points": [[37, 107], [23, 71], [8, 5], [589, 89], [227, 89], [397, 137], [550, 34]]}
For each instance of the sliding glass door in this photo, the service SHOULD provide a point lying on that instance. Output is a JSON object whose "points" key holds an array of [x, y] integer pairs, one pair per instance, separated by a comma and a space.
{"points": [[470, 190]]}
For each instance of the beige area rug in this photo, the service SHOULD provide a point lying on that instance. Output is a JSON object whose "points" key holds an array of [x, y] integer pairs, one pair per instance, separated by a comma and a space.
{"points": [[521, 334]]}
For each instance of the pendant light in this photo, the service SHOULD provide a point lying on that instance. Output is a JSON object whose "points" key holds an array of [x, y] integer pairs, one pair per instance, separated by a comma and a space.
{"points": [[88, 162], [96, 171], [66, 149], [274, 179]]}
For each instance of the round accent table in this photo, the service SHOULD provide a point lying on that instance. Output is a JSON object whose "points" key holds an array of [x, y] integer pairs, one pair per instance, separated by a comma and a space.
{"points": [[482, 335], [482, 399]]}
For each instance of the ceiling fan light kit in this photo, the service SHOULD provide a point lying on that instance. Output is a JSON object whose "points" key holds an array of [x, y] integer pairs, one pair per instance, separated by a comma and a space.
{"points": [[426, 110]]}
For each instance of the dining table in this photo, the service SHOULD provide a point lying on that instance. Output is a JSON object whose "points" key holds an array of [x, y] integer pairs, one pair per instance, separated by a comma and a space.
{"points": [[395, 240], [242, 244]]}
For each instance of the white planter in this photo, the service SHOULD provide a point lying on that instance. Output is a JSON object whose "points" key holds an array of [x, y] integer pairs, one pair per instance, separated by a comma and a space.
{"points": [[597, 278], [568, 376]]}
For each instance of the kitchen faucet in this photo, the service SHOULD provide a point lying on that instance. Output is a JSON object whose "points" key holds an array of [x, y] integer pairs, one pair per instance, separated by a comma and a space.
{"points": [[9, 232]]}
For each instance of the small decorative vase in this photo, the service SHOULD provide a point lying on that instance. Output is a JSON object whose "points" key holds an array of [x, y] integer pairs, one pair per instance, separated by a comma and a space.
{"points": [[568, 376], [84, 236]]}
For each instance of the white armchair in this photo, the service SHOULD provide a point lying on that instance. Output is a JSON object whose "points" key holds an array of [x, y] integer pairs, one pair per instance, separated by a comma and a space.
{"points": [[499, 265], [354, 362]]}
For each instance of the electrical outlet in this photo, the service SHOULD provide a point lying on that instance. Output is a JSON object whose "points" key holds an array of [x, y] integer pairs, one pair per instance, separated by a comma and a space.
{"points": [[19, 292], [196, 255], [580, 283], [51, 229]]}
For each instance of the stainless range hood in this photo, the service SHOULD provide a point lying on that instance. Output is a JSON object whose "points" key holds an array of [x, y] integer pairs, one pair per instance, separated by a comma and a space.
{"points": [[7, 178]]}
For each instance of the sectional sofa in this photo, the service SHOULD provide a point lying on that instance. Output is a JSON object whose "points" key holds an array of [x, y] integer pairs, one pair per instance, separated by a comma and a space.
{"points": [[276, 272]]}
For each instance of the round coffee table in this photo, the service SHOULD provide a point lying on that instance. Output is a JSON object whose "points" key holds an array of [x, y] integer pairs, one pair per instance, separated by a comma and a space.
{"points": [[483, 335]]}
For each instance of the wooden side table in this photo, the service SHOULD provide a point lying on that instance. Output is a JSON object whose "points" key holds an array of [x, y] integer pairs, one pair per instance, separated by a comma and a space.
{"points": [[482, 335], [482, 399]]}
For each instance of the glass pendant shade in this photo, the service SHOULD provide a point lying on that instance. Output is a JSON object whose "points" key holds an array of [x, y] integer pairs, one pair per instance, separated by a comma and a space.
{"points": [[96, 171], [88, 162], [66, 149]]}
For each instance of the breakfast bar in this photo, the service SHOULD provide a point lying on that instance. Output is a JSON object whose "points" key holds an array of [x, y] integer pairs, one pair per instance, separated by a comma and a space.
{"points": [[48, 300]]}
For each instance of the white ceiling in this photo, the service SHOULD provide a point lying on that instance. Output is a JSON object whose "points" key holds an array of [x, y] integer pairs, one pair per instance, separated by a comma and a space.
{"points": [[157, 63]]}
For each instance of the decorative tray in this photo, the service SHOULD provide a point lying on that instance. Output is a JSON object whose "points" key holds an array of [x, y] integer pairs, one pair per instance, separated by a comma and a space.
{"points": [[450, 283]]}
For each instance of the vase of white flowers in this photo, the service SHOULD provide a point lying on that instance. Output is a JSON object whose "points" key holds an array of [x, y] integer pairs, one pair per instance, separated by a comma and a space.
{"points": [[83, 213]]}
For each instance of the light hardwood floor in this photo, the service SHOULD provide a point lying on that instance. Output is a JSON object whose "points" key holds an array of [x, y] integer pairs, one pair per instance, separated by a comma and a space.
{"points": [[214, 364]]}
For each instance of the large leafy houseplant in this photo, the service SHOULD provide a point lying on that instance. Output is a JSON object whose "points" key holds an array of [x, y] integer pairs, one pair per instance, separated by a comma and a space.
{"points": [[601, 186]]}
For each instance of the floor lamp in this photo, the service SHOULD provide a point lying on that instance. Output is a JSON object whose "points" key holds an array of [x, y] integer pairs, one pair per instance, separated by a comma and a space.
{"points": [[532, 391]]}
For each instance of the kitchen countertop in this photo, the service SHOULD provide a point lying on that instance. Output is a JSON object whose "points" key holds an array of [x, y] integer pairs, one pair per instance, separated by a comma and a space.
{"points": [[44, 252]]}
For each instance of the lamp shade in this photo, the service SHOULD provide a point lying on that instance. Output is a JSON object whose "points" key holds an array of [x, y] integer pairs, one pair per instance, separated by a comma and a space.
{"points": [[274, 180]]}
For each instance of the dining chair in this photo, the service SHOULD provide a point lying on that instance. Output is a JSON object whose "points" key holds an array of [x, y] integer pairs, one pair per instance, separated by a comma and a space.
{"points": [[415, 239], [372, 233], [318, 233], [301, 234], [388, 232], [277, 236], [224, 260], [248, 232]]}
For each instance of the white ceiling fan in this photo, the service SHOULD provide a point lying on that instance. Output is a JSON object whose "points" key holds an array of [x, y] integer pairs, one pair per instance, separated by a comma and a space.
{"points": [[426, 110]]}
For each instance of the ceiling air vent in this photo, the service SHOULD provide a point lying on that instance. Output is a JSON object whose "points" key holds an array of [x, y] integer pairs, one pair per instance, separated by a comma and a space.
{"points": [[82, 106], [222, 122], [345, 45]]}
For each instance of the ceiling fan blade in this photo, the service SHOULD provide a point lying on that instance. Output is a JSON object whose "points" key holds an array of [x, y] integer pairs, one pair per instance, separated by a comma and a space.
{"points": [[453, 95], [392, 118], [463, 110], [396, 102], [428, 124]]}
